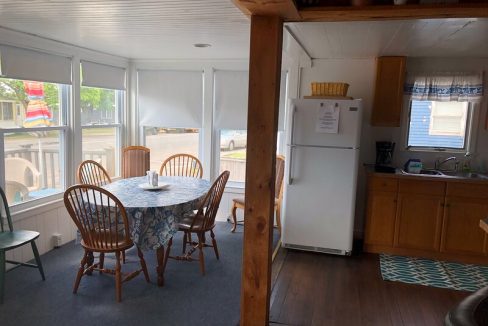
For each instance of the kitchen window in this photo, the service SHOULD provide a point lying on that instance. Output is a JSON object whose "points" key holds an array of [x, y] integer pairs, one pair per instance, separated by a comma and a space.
{"points": [[442, 110], [439, 125]]}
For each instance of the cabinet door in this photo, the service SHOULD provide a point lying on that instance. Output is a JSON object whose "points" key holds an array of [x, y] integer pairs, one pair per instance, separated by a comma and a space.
{"points": [[418, 223], [388, 94], [380, 218], [460, 228]]}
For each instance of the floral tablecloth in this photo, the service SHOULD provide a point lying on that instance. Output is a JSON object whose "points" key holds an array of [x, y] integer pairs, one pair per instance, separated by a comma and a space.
{"points": [[154, 214]]}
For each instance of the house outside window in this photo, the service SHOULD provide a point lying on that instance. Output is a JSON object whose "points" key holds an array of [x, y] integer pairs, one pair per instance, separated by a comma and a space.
{"points": [[438, 125], [442, 107]]}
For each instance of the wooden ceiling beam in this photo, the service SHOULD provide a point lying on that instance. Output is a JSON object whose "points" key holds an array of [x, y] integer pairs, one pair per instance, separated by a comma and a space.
{"points": [[464, 10], [286, 9]]}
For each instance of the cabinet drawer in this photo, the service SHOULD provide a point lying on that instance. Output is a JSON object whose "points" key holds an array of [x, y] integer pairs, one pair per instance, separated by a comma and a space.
{"points": [[433, 188], [471, 190], [382, 184]]}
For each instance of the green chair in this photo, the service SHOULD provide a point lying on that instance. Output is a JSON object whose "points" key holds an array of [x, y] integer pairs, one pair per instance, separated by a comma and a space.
{"points": [[10, 239]]}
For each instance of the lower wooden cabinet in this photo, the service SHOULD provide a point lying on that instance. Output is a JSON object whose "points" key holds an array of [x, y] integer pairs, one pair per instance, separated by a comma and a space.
{"points": [[419, 221], [380, 217], [460, 230], [431, 219]]}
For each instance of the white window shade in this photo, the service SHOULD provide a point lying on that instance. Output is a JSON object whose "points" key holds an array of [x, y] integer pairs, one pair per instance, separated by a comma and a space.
{"points": [[231, 100], [26, 64], [171, 99], [102, 76]]}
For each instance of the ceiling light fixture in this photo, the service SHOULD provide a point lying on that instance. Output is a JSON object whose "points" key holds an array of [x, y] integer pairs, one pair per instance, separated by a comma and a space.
{"points": [[202, 45]]}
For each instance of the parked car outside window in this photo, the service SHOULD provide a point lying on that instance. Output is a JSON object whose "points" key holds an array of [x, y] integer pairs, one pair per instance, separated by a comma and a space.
{"points": [[231, 139]]}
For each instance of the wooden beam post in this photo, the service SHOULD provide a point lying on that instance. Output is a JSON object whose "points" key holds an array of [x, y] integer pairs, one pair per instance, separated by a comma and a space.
{"points": [[262, 125]]}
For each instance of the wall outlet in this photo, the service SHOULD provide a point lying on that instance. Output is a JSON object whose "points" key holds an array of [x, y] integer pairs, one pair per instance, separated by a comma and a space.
{"points": [[57, 240]]}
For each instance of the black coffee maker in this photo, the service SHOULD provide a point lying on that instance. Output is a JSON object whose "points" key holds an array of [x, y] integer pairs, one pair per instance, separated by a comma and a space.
{"points": [[384, 156]]}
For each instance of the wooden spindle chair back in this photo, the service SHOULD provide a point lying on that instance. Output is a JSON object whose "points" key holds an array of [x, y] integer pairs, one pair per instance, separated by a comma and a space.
{"points": [[5, 213], [210, 204], [280, 172], [100, 217], [135, 161], [184, 165], [93, 173]]}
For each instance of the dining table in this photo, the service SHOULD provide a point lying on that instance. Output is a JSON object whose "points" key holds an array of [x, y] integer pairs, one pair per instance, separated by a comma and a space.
{"points": [[154, 212]]}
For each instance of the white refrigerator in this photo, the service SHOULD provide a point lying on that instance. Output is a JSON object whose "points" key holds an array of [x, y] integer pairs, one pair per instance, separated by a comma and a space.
{"points": [[321, 175]]}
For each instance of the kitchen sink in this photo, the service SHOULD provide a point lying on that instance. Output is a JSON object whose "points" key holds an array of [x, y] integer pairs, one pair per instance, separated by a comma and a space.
{"points": [[425, 172], [468, 175]]}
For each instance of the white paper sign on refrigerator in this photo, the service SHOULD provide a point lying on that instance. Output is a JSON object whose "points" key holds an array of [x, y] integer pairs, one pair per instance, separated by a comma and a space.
{"points": [[327, 119]]}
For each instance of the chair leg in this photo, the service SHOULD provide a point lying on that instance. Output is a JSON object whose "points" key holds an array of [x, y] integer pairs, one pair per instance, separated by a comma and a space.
{"points": [[38, 259], [278, 217], [214, 244], [2, 274], [185, 240], [80, 271], [118, 278], [143, 264], [89, 261], [200, 253], [101, 261], [123, 256], [234, 217]]}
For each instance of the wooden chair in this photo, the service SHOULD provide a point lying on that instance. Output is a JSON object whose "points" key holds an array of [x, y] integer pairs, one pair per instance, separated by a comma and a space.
{"points": [[240, 203], [104, 228], [201, 222], [93, 173], [10, 239], [135, 161], [184, 165]]}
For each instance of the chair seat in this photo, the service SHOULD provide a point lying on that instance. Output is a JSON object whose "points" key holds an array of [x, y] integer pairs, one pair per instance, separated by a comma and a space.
{"points": [[241, 201], [187, 220], [13, 239], [119, 246]]}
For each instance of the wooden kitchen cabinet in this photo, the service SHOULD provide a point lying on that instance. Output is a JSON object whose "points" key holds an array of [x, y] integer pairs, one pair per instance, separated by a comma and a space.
{"points": [[419, 221], [388, 94], [427, 217], [461, 233], [381, 210]]}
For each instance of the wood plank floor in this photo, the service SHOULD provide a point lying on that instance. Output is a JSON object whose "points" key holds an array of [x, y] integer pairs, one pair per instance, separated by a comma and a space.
{"points": [[318, 289]]}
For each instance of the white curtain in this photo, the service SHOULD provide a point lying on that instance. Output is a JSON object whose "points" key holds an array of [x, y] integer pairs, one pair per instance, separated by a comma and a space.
{"points": [[103, 76], [445, 87], [231, 90], [18, 63], [172, 99]]}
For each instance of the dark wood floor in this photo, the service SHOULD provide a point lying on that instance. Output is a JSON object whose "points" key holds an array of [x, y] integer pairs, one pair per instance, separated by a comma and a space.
{"points": [[319, 289]]}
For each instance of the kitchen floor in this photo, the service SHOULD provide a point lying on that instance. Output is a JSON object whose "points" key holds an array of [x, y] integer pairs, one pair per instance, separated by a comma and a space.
{"points": [[320, 289]]}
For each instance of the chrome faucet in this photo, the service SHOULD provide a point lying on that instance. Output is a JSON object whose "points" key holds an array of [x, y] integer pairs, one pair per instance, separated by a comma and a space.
{"points": [[438, 163]]}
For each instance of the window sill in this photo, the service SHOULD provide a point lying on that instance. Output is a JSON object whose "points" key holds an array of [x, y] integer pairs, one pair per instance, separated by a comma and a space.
{"points": [[436, 150], [36, 207]]}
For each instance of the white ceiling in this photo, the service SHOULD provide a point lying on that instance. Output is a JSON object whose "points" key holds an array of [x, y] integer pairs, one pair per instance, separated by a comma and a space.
{"points": [[418, 38], [167, 29], [143, 29]]}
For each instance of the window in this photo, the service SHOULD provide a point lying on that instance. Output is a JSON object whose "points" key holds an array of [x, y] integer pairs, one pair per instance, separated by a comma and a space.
{"points": [[7, 112], [438, 125], [164, 142], [233, 153], [33, 142], [101, 127]]}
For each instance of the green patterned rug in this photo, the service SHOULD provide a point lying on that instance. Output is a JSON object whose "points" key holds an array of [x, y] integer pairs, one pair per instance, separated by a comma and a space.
{"points": [[441, 274]]}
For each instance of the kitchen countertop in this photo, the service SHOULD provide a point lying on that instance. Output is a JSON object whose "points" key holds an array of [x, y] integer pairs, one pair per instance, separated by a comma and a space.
{"points": [[441, 178]]}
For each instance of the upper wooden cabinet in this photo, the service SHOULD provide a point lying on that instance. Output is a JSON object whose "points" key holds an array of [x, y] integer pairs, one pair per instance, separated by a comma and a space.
{"points": [[388, 94]]}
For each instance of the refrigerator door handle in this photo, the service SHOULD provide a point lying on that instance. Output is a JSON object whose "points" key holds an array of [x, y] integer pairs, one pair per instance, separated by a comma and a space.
{"points": [[290, 169]]}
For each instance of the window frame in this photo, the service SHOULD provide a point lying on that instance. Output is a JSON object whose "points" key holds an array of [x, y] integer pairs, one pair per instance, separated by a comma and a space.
{"points": [[66, 107], [469, 139], [118, 125]]}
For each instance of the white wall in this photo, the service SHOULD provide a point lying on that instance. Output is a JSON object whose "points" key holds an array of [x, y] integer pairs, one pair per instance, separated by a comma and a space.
{"points": [[360, 75]]}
